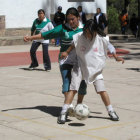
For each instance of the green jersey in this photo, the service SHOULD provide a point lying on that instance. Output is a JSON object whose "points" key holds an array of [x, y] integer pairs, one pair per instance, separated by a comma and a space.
{"points": [[64, 33], [39, 25]]}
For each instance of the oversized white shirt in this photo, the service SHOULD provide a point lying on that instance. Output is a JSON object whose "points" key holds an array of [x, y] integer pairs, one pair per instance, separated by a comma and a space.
{"points": [[91, 56]]}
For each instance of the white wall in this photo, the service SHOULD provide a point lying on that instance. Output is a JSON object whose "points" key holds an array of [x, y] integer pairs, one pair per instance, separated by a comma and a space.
{"points": [[21, 13]]}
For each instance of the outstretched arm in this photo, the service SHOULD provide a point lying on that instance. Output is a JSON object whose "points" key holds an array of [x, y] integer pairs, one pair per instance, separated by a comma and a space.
{"points": [[34, 37], [113, 52]]}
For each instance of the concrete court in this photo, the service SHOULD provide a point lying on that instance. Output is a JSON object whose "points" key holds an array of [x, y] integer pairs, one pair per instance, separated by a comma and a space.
{"points": [[30, 101]]}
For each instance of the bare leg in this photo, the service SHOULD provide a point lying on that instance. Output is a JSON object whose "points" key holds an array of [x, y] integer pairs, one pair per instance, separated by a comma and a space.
{"points": [[70, 96], [65, 96], [80, 99], [105, 97]]}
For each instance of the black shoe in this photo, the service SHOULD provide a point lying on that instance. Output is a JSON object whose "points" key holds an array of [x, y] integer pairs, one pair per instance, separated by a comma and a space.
{"points": [[113, 115], [62, 118], [33, 67], [47, 69]]}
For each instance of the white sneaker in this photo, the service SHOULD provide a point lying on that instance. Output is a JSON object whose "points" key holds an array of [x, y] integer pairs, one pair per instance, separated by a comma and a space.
{"points": [[113, 115], [62, 118]]}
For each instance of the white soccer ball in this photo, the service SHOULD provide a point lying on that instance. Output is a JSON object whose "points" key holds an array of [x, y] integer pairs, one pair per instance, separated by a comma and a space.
{"points": [[81, 111]]}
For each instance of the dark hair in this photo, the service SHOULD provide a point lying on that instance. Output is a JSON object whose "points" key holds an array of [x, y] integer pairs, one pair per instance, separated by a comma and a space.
{"points": [[60, 8], [72, 11], [41, 10], [80, 7], [92, 27], [99, 9]]}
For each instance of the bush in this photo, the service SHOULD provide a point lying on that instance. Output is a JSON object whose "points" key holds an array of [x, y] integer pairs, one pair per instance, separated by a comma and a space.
{"points": [[113, 20]]}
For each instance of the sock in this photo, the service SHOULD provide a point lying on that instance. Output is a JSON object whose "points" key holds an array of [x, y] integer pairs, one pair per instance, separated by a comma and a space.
{"points": [[71, 106], [109, 108], [65, 108]]}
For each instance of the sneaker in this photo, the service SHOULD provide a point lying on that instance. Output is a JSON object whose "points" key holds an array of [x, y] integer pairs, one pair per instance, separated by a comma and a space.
{"points": [[113, 115], [47, 69], [71, 111], [62, 118], [32, 67]]}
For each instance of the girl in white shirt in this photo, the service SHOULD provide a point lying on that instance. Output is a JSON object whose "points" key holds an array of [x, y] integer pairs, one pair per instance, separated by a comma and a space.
{"points": [[91, 49]]}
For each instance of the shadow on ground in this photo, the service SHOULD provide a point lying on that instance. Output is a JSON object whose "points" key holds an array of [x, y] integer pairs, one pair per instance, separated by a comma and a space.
{"points": [[134, 69], [52, 110], [36, 69]]}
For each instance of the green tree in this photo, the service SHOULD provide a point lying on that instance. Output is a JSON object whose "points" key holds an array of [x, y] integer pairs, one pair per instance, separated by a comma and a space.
{"points": [[113, 20], [114, 8]]}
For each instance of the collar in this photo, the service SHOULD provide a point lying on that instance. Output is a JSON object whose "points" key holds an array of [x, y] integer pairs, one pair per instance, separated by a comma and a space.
{"points": [[80, 26], [45, 19]]}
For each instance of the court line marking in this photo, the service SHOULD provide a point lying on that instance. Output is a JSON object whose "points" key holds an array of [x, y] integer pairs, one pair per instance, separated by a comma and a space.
{"points": [[29, 133], [67, 130], [110, 126], [48, 125]]}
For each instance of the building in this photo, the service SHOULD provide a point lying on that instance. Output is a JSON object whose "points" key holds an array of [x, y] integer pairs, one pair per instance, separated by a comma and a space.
{"points": [[21, 13], [17, 16]]}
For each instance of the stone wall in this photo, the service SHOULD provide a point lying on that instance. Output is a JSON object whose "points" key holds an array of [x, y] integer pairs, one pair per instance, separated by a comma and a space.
{"points": [[2, 22], [15, 32]]}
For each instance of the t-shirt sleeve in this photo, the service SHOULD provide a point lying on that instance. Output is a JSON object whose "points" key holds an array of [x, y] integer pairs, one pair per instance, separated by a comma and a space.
{"points": [[111, 48], [54, 33]]}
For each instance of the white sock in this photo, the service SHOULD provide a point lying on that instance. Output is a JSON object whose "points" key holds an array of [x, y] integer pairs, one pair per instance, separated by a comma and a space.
{"points": [[65, 108], [109, 108], [71, 106]]}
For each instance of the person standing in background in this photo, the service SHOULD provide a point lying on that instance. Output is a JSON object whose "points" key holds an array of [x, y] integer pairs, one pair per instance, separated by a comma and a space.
{"points": [[123, 21], [82, 15], [100, 19], [40, 25], [59, 18], [134, 24]]}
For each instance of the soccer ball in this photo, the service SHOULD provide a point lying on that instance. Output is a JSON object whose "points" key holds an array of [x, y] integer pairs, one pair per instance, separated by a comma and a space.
{"points": [[81, 111]]}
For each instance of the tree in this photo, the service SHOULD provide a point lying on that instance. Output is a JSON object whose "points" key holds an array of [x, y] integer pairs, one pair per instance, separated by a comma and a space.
{"points": [[113, 20], [116, 6]]}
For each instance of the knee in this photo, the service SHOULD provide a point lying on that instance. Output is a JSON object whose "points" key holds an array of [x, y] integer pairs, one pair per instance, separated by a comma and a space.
{"points": [[102, 92], [32, 51]]}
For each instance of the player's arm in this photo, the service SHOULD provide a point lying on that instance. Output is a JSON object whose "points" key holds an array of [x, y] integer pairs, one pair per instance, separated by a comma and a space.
{"points": [[118, 58], [34, 37], [51, 34], [113, 52], [66, 53]]}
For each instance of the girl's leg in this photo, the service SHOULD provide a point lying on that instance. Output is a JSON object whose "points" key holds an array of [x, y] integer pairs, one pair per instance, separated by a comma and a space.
{"points": [[33, 50], [75, 83], [105, 97], [80, 98], [100, 89], [65, 70], [70, 96], [46, 57], [68, 100], [82, 92]]}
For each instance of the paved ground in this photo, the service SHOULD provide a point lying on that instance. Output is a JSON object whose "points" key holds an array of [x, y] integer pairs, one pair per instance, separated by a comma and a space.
{"points": [[30, 101]]}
